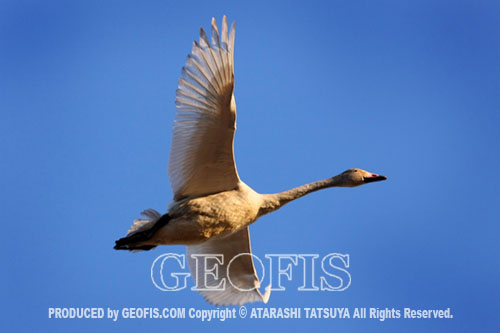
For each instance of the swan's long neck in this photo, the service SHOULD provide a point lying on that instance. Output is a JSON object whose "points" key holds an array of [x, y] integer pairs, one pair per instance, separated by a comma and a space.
{"points": [[272, 202]]}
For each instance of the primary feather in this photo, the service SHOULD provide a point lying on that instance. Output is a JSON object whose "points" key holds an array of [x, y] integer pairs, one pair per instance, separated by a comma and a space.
{"points": [[201, 157]]}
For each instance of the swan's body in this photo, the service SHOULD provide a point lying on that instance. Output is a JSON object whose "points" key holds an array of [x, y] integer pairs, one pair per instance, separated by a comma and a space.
{"points": [[199, 219], [212, 207]]}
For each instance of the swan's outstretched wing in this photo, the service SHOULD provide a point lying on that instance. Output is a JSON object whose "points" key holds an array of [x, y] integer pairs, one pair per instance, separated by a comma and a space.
{"points": [[241, 281], [201, 157]]}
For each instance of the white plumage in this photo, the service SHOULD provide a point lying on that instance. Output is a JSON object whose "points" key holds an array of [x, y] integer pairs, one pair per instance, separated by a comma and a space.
{"points": [[241, 283], [201, 157]]}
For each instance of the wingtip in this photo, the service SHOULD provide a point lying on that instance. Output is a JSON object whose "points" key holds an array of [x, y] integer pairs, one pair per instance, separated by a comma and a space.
{"points": [[204, 41], [267, 294]]}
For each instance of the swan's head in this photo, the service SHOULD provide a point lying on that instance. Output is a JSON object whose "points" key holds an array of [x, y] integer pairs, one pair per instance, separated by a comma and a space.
{"points": [[356, 177]]}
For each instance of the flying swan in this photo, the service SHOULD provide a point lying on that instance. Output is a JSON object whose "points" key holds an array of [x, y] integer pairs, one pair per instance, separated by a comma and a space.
{"points": [[212, 208]]}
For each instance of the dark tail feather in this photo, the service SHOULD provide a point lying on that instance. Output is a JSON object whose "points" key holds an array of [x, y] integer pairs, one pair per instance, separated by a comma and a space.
{"points": [[131, 247], [131, 242]]}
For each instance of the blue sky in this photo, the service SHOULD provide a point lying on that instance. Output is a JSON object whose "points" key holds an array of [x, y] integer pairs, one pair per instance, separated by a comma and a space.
{"points": [[405, 89]]}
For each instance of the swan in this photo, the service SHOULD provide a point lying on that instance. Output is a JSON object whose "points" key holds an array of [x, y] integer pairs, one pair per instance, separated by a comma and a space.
{"points": [[212, 208]]}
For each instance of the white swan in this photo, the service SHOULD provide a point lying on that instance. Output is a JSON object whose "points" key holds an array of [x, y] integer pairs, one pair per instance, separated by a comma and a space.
{"points": [[212, 207]]}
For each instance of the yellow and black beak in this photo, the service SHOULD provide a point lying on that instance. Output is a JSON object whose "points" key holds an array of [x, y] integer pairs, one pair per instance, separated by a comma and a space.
{"points": [[374, 178]]}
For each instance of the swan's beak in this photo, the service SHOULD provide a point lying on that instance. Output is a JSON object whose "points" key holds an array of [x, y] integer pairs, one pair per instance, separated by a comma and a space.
{"points": [[374, 178]]}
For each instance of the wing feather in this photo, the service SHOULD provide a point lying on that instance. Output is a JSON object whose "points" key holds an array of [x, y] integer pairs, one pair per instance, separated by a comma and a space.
{"points": [[201, 157], [242, 282]]}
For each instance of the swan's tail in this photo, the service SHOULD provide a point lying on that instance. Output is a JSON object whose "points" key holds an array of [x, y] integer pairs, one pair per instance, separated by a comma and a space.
{"points": [[141, 231]]}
